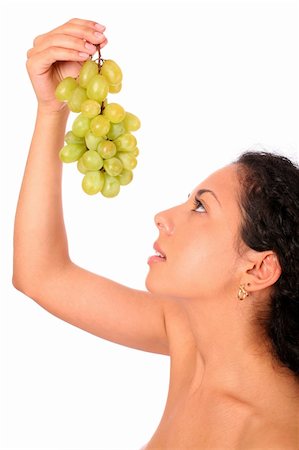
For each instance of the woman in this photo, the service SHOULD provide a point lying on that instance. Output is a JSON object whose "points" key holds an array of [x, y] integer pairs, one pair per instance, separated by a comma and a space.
{"points": [[222, 296]]}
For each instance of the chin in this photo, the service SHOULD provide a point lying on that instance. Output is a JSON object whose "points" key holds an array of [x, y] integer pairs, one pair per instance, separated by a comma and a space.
{"points": [[156, 286], [152, 285], [148, 283]]}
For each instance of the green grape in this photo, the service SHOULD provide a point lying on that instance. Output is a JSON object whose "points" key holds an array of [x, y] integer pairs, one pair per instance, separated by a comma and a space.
{"points": [[65, 89], [99, 125], [92, 141], [77, 98], [115, 88], [88, 70], [131, 122], [116, 129], [100, 139], [80, 126], [113, 166], [111, 186], [81, 167], [125, 142], [70, 138], [71, 152], [114, 112], [97, 88], [93, 182], [111, 71], [90, 108], [135, 152], [92, 160], [106, 149], [125, 177], [129, 161]]}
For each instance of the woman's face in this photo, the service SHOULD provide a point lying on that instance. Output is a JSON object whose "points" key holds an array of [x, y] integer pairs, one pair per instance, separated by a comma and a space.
{"points": [[199, 239]]}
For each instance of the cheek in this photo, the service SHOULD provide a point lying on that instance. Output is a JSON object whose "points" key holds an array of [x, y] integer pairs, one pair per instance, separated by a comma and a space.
{"points": [[200, 269]]}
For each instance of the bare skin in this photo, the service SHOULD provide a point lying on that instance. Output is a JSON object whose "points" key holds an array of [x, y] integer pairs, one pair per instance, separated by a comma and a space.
{"points": [[226, 392]]}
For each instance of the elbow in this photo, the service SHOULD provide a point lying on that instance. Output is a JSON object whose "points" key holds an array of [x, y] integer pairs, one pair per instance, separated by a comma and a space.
{"points": [[17, 277], [25, 275], [18, 283], [22, 279], [25, 285]]}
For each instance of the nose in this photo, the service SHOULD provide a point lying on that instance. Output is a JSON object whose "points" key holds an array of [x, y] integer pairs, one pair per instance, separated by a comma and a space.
{"points": [[164, 222]]}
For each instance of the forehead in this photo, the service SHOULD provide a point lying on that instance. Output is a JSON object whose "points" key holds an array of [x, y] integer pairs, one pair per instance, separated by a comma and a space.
{"points": [[224, 183]]}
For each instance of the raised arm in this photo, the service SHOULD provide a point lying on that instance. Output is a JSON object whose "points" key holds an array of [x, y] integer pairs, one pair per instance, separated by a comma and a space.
{"points": [[42, 266]]}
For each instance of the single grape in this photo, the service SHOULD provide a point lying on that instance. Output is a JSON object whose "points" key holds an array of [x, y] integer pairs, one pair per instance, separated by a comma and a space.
{"points": [[88, 70], [81, 167], [113, 166], [115, 88], [131, 122], [80, 126], [114, 112], [99, 125], [128, 159], [92, 160], [70, 138], [77, 98], [97, 88], [90, 108], [116, 129], [111, 186], [65, 89], [111, 71], [135, 152], [71, 152], [106, 149], [93, 182], [125, 177], [125, 142], [92, 141]]}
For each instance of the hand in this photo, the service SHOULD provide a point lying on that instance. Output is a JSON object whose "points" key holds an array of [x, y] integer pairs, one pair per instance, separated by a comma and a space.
{"points": [[60, 53]]}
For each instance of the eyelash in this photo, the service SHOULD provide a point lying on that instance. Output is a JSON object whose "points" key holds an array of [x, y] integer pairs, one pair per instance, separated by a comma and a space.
{"points": [[197, 203]]}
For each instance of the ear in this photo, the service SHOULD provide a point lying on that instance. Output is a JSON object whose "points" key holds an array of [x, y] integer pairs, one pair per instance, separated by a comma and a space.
{"points": [[264, 270]]}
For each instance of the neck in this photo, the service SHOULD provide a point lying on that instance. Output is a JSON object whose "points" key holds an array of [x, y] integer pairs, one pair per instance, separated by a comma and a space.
{"points": [[234, 358]]}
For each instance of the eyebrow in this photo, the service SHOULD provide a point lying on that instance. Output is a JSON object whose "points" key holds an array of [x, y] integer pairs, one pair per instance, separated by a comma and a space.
{"points": [[203, 191]]}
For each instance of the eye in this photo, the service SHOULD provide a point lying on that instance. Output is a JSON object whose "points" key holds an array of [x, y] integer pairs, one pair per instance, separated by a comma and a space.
{"points": [[198, 206]]}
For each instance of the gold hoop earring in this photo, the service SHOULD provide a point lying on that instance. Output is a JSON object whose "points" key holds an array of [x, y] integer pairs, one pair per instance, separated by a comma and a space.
{"points": [[242, 293]]}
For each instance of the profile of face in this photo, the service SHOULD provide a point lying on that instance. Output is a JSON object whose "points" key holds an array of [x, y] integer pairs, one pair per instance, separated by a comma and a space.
{"points": [[199, 239]]}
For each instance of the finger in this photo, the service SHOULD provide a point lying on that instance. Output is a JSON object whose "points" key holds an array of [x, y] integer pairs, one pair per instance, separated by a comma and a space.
{"points": [[89, 23], [43, 60], [104, 43], [82, 32], [65, 41], [83, 23]]}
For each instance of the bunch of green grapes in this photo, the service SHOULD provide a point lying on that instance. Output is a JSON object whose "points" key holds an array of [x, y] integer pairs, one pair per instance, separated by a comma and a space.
{"points": [[101, 139]]}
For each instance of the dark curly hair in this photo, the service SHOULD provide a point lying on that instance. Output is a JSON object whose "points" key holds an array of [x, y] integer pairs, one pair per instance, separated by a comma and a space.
{"points": [[269, 203]]}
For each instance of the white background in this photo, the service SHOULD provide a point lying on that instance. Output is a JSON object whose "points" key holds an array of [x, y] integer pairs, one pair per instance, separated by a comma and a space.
{"points": [[208, 80]]}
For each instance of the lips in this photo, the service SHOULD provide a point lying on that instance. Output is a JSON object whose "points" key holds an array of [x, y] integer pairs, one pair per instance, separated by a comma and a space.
{"points": [[159, 251], [159, 257]]}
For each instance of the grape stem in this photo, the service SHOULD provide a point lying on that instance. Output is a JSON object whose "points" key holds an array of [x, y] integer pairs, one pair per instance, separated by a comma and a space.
{"points": [[100, 62]]}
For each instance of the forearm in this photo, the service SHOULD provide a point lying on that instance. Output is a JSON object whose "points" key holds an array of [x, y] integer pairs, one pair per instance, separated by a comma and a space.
{"points": [[40, 241]]}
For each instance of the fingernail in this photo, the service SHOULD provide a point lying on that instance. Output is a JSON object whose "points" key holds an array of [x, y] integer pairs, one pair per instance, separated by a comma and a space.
{"points": [[100, 27], [104, 43], [83, 55], [98, 35], [90, 47]]}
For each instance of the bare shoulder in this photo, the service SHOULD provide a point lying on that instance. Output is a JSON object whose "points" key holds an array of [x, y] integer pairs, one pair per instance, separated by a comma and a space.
{"points": [[271, 435]]}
